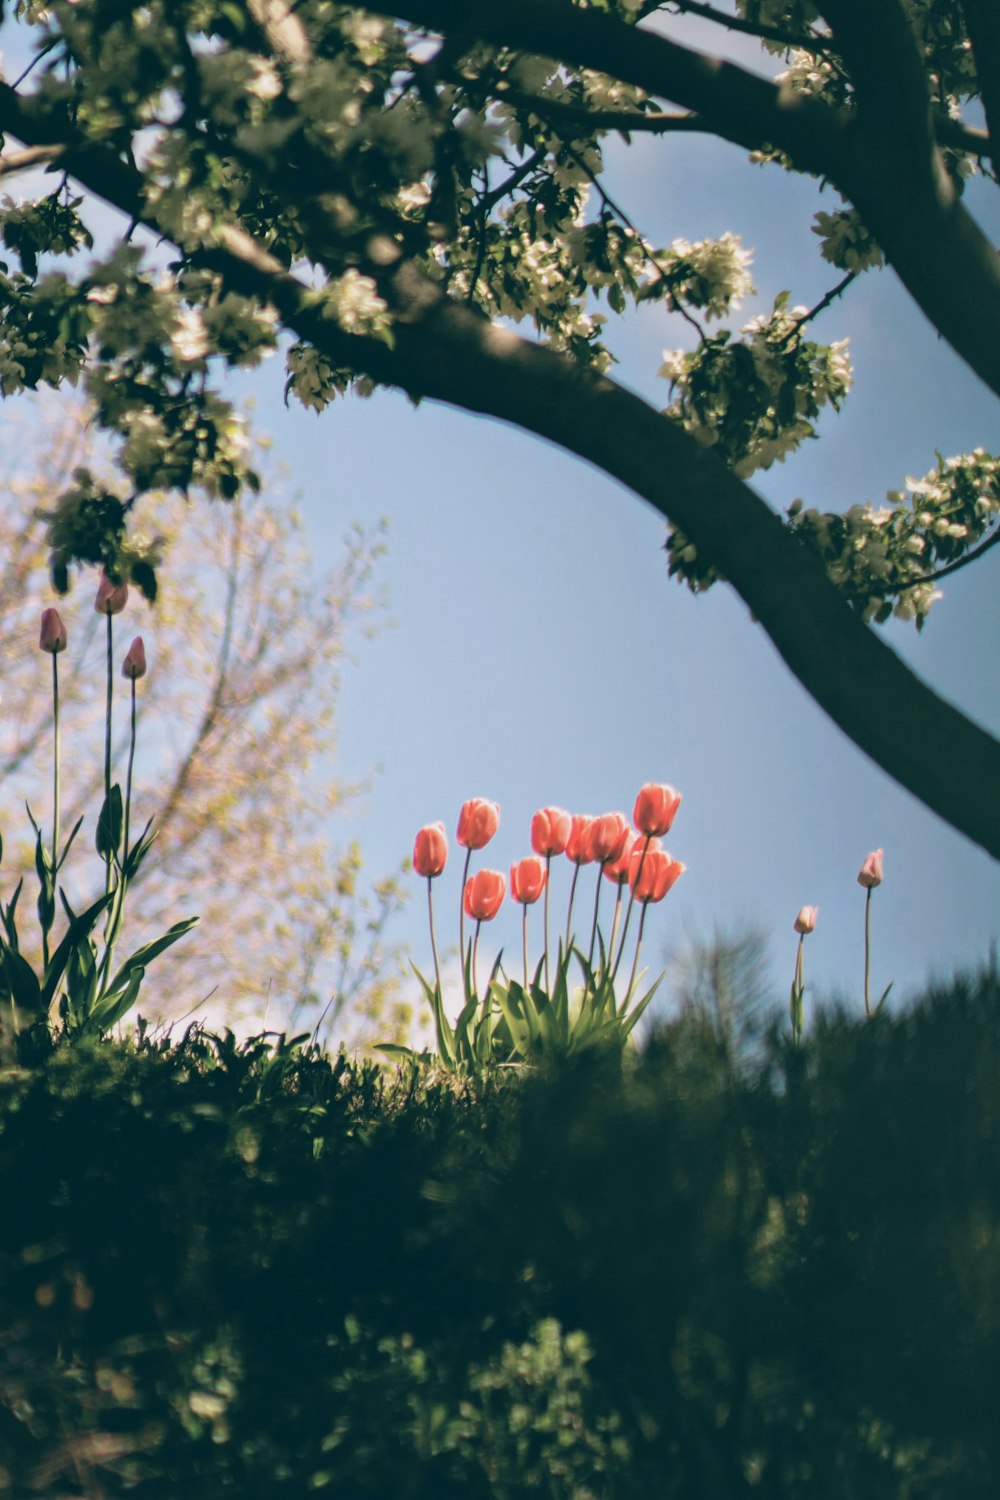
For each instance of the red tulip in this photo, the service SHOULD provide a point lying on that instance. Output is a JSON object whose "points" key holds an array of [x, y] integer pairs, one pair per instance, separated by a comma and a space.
{"points": [[608, 836], [652, 877], [870, 874], [656, 808], [806, 919], [484, 893], [478, 821], [430, 850], [134, 664], [550, 830], [111, 597], [617, 869], [527, 880], [578, 845], [53, 633]]}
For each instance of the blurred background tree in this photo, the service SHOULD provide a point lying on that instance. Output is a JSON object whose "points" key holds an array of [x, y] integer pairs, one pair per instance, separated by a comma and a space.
{"points": [[236, 739]]}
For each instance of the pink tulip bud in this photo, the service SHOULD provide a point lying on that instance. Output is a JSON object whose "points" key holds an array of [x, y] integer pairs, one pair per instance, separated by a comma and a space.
{"points": [[478, 821], [608, 836], [527, 880], [656, 808], [53, 633], [806, 919], [134, 664], [111, 597], [484, 893], [870, 874], [430, 850], [550, 830], [578, 844], [653, 876], [616, 870]]}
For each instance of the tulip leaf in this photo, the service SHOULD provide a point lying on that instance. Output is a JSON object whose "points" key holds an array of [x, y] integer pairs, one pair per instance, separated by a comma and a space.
{"points": [[111, 1007], [143, 957], [9, 920], [21, 982], [628, 1022], [69, 843], [79, 930], [109, 824]]}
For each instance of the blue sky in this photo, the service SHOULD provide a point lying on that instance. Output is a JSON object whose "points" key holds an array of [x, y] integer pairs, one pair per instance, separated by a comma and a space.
{"points": [[540, 654]]}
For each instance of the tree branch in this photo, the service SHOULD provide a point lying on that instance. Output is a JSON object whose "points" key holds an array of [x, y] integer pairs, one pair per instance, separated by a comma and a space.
{"points": [[982, 20], [445, 352], [803, 41]]}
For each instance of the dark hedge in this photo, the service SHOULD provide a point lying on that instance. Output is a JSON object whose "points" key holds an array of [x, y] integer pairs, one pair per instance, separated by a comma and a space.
{"points": [[248, 1270]]}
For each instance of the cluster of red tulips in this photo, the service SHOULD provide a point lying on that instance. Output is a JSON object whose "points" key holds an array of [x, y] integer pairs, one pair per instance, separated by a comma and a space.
{"points": [[626, 857]]}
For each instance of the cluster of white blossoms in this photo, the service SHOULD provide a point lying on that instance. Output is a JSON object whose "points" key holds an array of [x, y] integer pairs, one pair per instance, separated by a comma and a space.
{"points": [[754, 399], [353, 301], [710, 274], [845, 242], [883, 558]]}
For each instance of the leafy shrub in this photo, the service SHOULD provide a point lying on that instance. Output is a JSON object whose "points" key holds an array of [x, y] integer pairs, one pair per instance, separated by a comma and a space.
{"points": [[248, 1269]]}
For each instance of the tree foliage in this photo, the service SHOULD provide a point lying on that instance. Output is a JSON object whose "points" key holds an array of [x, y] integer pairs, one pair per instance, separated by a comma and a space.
{"points": [[383, 191], [236, 735]]}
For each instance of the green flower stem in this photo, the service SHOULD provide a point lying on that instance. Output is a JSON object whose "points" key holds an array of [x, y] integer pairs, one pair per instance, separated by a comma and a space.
{"points": [[55, 766], [430, 918], [635, 961], [548, 869], [797, 990], [524, 941], [461, 925], [614, 923], [593, 925], [868, 949], [107, 753], [128, 778], [628, 909], [475, 960], [569, 912]]}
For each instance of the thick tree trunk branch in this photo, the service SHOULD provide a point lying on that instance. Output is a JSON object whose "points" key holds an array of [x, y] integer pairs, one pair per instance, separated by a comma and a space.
{"points": [[934, 245], [982, 19], [443, 351]]}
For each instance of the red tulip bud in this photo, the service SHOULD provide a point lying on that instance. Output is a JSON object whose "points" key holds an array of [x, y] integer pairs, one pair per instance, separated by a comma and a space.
{"points": [[53, 632], [608, 836], [134, 664], [578, 847], [484, 893], [870, 874], [656, 808], [617, 869], [527, 880], [550, 830], [651, 878], [806, 919], [478, 821], [430, 850], [111, 597]]}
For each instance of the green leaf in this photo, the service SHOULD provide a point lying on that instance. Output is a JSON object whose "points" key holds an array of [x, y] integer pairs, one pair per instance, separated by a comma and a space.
{"points": [[46, 883], [109, 824], [69, 843], [76, 933], [138, 851], [9, 919], [22, 983], [110, 1008], [627, 1022], [143, 957]]}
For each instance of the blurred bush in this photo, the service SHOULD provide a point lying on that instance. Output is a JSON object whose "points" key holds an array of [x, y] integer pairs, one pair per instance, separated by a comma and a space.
{"points": [[241, 1269]]}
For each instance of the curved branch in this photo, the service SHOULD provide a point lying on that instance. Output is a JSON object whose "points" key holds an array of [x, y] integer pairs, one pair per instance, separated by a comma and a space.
{"points": [[443, 351]]}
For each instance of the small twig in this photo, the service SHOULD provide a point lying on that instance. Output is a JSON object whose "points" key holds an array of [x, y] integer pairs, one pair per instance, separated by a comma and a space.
{"points": [[821, 306], [952, 567], [805, 42], [31, 156], [39, 55]]}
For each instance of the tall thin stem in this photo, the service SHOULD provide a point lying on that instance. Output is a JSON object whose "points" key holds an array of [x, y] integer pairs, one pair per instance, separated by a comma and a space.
{"points": [[475, 961], [107, 758], [593, 925], [868, 948], [128, 778], [466, 985], [628, 909], [548, 869], [524, 943], [55, 761], [569, 912], [430, 918], [614, 924], [635, 961]]}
